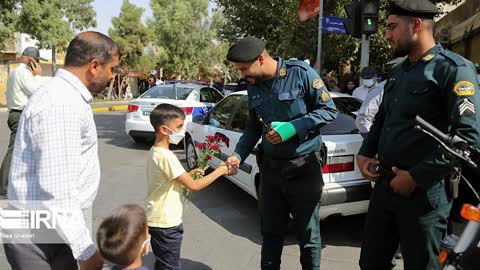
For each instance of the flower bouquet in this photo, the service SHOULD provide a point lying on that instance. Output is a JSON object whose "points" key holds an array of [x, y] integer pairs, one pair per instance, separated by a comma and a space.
{"points": [[207, 149]]}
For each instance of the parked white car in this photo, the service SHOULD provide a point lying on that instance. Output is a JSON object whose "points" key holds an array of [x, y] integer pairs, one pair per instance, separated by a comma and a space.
{"points": [[193, 99], [346, 191]]}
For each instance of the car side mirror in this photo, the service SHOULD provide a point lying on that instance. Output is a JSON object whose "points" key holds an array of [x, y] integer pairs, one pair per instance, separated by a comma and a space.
{"points": [[199, 118]]}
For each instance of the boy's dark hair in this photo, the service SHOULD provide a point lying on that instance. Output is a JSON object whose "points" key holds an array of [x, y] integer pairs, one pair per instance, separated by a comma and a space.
{"points": [[120, 236], [164, 113]]}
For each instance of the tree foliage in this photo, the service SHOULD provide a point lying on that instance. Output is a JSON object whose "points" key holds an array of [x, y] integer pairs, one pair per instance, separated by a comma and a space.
{"points": [[276, 22], [185, 34], [53, 22], [7, 21], [132, 36]]}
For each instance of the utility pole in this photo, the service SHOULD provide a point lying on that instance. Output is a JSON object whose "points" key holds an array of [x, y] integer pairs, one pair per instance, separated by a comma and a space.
{"points": [[319, 45]]}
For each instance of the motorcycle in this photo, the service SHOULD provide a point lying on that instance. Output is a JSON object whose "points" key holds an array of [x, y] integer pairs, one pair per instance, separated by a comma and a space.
{"points": [[457, 149]]}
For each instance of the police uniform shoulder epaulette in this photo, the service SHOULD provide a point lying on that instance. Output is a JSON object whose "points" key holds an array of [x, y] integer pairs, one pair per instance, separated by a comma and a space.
{"points": [[298, 63], [457, 59]]}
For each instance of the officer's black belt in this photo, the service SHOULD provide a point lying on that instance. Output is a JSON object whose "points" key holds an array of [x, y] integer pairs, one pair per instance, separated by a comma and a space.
{"points": [[14, 110]]}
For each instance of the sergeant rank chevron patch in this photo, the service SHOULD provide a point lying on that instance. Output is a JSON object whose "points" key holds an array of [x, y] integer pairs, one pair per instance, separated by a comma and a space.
{"points": [[466, 108]]}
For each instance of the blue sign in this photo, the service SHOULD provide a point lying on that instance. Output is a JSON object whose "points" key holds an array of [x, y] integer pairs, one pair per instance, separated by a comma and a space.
{"points": [[333, 25]]}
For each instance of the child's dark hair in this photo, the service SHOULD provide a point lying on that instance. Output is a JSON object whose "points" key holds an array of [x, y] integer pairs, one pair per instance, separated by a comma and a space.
{"points": [[120, 236], [164, 113]]}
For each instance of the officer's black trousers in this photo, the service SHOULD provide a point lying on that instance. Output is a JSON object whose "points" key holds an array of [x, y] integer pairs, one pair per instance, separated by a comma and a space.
{"points": [[417, 223], [284, 191]]}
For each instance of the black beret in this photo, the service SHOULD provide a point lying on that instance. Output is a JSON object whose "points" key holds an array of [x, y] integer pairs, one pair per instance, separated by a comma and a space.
{"points": [[367, 72], [413, 8], [245, 50]]}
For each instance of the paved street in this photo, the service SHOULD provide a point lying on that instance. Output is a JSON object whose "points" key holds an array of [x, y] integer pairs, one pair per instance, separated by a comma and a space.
{"points": [[221, 224]]}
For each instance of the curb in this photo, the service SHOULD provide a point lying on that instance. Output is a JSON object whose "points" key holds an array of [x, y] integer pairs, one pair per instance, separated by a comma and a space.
{"points": [[110, 109]]}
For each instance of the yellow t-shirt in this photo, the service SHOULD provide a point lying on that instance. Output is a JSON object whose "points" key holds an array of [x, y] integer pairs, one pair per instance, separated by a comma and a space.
{"points": [[164, 209]]}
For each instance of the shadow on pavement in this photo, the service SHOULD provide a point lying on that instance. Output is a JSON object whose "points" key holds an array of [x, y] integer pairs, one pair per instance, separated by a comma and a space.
{"points": [[149, 262], [236, 211]]}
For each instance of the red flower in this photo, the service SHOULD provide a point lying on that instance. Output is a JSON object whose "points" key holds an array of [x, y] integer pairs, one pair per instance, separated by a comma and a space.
{"points": [[209, 157], [194, 163], [221, 137], [211, 138], [215, 147], [201, 145]]}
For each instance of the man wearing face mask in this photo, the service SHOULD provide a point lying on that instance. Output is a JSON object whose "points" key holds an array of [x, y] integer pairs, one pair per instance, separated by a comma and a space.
{"points": [[371, 101], [410, 204], [369, 78]]}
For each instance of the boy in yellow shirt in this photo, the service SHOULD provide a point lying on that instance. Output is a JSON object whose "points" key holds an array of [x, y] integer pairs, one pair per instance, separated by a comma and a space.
{"points": [[165, 176]]}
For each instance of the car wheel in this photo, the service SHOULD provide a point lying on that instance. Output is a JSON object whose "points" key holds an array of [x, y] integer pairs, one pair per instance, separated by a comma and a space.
{"points": [[139, 139], [190, 154]]}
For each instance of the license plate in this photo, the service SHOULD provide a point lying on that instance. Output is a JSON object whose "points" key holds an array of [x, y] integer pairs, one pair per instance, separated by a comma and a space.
{"points": [[146, 113]]}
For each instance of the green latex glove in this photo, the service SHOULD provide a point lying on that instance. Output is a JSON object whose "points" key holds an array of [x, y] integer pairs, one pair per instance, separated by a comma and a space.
{"points": [[285, 129]]}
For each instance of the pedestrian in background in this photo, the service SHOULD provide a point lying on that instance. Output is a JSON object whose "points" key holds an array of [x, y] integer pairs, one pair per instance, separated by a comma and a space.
{"points": [[369, 77], [288, 104], [21, 84], [332, 83], [350, 85], [55, 159], [409, 204], [370, 105]]}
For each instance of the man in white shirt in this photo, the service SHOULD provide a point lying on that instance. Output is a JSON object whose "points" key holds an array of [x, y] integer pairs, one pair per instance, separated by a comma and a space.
{"points": [[368, 75], [55, 162], [21, 83], [371, 94]]}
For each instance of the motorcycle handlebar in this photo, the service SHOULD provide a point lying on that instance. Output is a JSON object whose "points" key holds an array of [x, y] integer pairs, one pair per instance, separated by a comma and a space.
{"points": [[451, 141]]}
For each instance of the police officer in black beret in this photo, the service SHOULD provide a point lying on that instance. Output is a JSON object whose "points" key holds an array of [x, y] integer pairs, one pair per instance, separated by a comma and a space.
{"points": [[410, 203], [288, 104]]}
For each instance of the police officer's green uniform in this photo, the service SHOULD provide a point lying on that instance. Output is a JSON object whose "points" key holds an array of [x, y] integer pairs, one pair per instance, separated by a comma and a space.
{"points": [[291, 178], [442, 88]]}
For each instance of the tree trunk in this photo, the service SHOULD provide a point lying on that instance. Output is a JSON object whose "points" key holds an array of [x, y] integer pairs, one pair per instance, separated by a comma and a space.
{"points": [[54, 60], [110, 87]]}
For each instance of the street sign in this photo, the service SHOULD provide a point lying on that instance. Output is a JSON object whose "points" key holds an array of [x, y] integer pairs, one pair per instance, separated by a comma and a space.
{"points": [[333, 25]]}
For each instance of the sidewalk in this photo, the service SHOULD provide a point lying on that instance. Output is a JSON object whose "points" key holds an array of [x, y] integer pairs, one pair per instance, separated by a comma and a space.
{"points": [[110, 106], [100, 106]]}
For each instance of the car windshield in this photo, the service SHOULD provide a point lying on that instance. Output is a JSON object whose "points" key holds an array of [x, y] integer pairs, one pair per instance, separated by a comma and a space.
{"points": [[345, 122], [168, 92]]}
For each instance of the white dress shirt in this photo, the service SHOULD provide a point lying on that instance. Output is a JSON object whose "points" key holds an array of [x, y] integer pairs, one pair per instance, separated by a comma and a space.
{"points": [[361, 92], [55, 158], [20, 86], [368, 110]]}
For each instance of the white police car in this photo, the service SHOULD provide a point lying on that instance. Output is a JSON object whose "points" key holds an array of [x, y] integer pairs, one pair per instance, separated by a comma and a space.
{"points": [[346, 191], [193, 99]]}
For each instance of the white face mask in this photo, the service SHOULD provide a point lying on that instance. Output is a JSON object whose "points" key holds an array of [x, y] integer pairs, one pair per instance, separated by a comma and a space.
{"points": [[369, 83], [146, 242], [176, 137]]}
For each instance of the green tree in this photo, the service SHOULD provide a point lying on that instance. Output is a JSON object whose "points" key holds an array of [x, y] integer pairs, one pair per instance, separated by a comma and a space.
{"points": [[132, 36], [276, 21], [53, 22], [7, 21], [184, 32]]}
